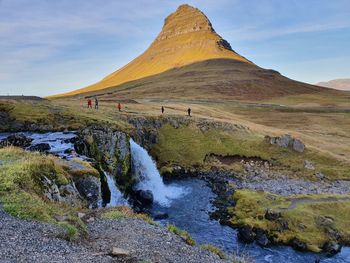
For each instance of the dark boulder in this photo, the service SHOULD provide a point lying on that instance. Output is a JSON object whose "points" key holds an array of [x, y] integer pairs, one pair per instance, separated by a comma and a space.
{"points": [[261, 238], [246, 234], [298, 245], [80, 147], [40, 147], [144, 197], [89, 188], [272, 215], [18, 140], [160, 216], [332, 248]]}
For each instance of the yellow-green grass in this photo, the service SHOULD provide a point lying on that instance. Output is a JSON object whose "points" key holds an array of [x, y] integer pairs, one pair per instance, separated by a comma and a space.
{"points": [[124, 212], [313, 222], [57, 116], [215, 250], [187, 146], [182, 233], [21, 189]]}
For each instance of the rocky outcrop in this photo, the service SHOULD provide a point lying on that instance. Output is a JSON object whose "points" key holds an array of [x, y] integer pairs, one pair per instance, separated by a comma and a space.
{"points": [[89, 188], [286, 141], [65, 193], [18, 140], [111, 150], [144, 198], [40, 147]]}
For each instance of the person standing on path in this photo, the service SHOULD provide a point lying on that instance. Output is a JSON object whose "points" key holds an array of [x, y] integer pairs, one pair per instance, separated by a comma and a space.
{"points": [[96, 103], [162, 109], [89, 103], [189, 112]]}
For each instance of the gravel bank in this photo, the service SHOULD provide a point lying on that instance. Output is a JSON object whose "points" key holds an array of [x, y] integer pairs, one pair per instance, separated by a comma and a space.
{"points": [[28, 241]]}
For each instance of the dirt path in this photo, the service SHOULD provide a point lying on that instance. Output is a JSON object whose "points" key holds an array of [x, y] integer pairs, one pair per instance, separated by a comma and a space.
{"points": [[302, 201]]}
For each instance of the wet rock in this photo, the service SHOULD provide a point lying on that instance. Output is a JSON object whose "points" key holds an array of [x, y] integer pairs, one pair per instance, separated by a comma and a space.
{"points": [[246, 234], [41, 147], [18, 140], [89, 188], [144, 197], [332, 248], [308, 165], [298, 245], [261, 238], [160, 216], [111, 149], [298, 145], [81, 147]]}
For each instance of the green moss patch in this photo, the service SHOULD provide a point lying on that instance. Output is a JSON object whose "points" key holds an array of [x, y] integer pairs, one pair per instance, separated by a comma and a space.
{"points": [[21, 189], [181, 233], [313, 220]]}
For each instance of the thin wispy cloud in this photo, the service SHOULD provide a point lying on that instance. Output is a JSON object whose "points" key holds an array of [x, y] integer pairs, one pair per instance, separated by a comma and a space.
{"points": [[48, 47]]}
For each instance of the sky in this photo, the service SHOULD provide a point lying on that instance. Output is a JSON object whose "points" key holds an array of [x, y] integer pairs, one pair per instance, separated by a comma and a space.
{"points": [[49, 47]]}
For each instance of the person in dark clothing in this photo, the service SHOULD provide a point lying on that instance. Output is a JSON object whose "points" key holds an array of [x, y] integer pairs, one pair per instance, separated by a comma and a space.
{"points": [[189, 112], [162, 109], [89, 103], [96, 103]]}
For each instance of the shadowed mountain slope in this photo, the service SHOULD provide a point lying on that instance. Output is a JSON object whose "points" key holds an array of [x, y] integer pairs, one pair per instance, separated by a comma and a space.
{"points": [[217, 79]]}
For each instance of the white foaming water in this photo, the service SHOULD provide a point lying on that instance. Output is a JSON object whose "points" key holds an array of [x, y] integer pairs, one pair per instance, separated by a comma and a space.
{"points": [[116, 196], [150, 178]]}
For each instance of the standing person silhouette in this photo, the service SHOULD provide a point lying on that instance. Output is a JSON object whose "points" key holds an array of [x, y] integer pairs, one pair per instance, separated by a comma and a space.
{"points": [[89, 103], [162, 109], [96, 103], [119, 106], [189, 112]]}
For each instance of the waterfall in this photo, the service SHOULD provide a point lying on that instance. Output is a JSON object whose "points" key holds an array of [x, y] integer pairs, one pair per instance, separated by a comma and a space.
{"points": [[116, 196], [150, 178]]}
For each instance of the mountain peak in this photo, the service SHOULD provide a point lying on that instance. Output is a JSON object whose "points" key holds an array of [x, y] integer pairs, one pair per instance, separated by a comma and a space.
{"points": [[186, 19], [186, 37]]}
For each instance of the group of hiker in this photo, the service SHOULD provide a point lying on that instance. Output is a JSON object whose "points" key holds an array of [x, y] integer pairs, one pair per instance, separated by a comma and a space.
{"points": [[89, 104], [119, 106]]}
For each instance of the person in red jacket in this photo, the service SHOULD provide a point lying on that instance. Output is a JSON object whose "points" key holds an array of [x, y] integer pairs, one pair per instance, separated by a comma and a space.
{"points": [[89, 103], [119, 106]]}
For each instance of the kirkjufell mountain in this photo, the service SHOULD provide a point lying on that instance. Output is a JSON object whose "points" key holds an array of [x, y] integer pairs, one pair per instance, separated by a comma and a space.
{"points": [[188, 59]]}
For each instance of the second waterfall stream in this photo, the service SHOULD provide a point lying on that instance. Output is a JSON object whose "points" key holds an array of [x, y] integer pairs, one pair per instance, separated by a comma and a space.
{"points": [[150, 179]]}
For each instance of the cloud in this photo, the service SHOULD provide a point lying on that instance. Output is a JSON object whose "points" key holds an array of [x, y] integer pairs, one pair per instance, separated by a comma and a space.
{"points": [[257, 33]]}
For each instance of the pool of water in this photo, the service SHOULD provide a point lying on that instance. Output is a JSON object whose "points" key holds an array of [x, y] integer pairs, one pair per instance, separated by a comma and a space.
{"points": [[190, 213]]}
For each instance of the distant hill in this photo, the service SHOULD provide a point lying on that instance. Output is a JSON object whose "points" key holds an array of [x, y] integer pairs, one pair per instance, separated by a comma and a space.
{"points": [[339, 84], [189, 59], [20, 97]]}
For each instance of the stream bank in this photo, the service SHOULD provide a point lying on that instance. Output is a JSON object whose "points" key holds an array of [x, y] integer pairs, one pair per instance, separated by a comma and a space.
{"points": [[105, 151]]}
